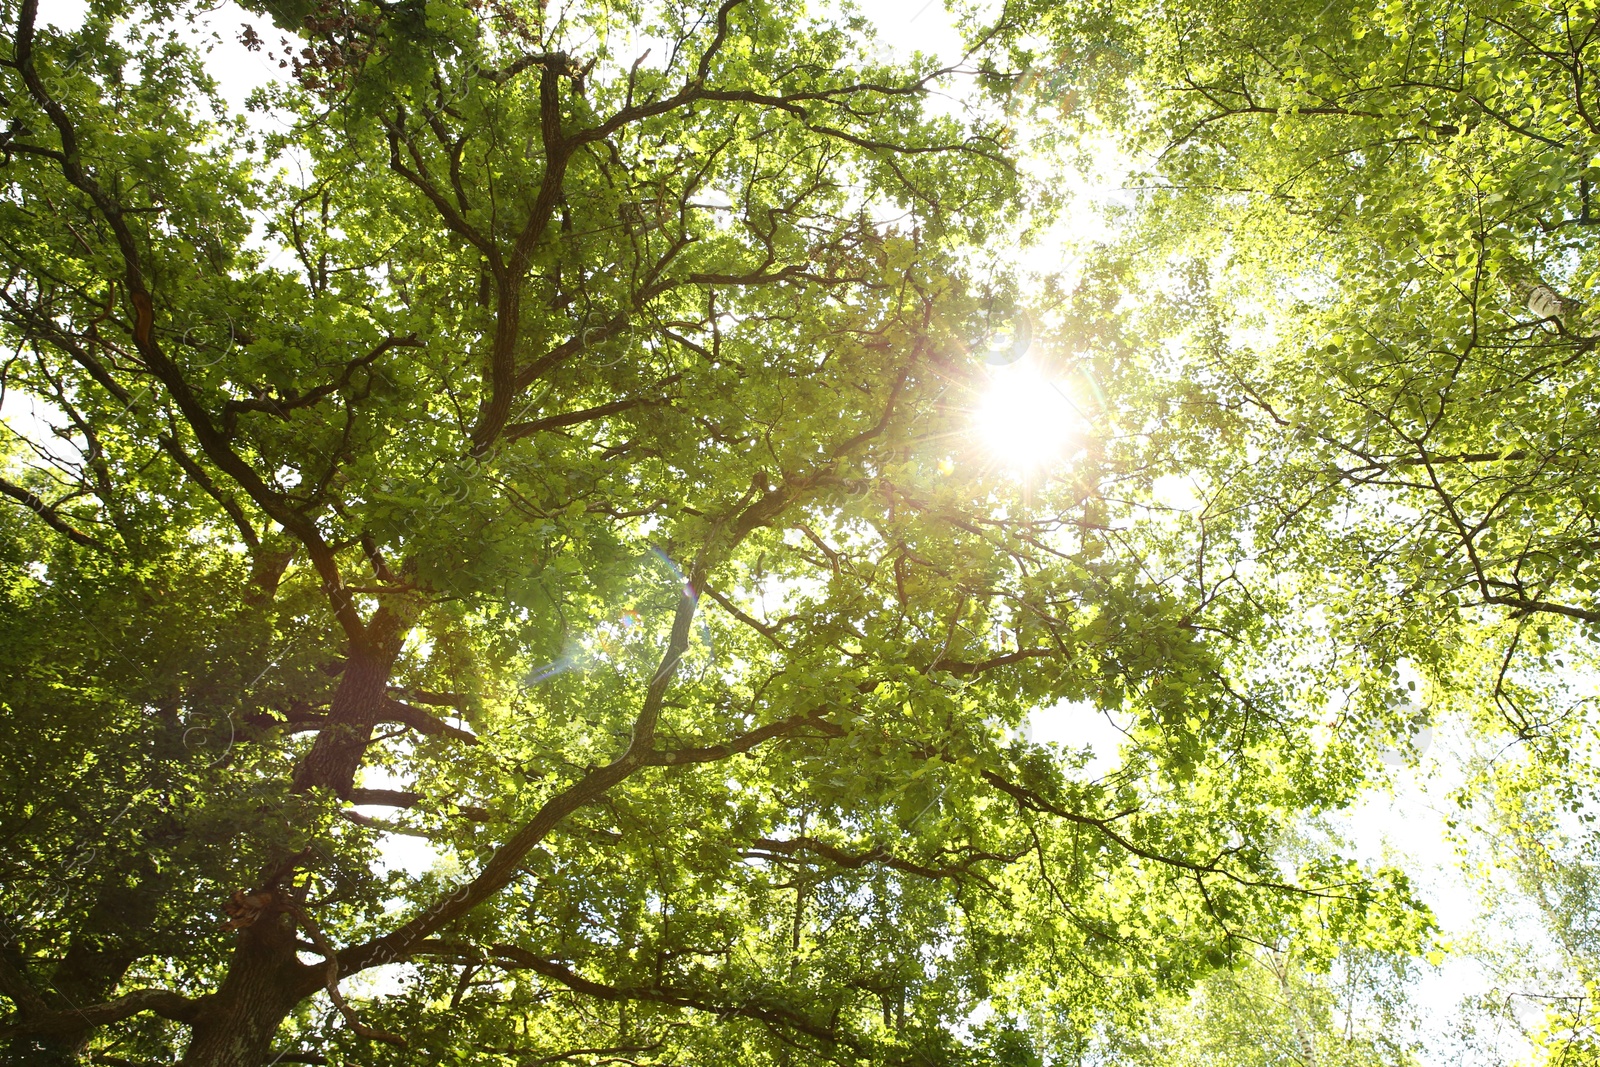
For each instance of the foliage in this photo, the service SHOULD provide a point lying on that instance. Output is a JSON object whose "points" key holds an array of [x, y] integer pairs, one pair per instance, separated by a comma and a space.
{"points": [[1534, 847], [545, 433], [1376, 225], [1354, 285], [1272, 1010]]}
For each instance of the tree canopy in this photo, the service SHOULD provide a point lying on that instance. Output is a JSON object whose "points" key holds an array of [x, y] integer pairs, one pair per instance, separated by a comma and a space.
{"points": [[569, 437]]}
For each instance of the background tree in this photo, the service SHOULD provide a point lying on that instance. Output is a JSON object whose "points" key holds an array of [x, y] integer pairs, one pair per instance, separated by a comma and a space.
{"points": [[1533, 848], [547, 434], [1274, 1010]]}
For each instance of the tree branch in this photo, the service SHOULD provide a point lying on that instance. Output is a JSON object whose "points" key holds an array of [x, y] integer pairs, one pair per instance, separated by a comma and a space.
{"points": [[425, 722], [52, 518], [840, 857], [573, 418], [163, 1002], [678, 998], [215, 445]]}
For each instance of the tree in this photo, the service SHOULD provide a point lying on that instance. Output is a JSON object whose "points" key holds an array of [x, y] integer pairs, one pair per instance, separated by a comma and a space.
{"points": [[1533, 848], [545, 433], [1356, 286], [1273, 1010], [1377, 224]]}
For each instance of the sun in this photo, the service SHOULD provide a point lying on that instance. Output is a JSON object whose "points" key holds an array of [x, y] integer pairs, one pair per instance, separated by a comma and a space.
{"points": [[1025, 420]]}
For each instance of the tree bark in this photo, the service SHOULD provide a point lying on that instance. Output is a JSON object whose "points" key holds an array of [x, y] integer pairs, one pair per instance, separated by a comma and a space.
{"points": [[265, 981], [265, 977], [359, 704], [1530, 290]]}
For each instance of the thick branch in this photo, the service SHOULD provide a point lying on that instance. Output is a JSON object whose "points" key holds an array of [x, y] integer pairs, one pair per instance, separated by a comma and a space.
{"points": [[572, 418], [738, 745], [425, 722], [198, 475], [300, 719], [15, 986], [52, 518], [661, 994], [459, 701], [163, 1002], [388, 798], [968, 670], [839, 857], [1525, 605]]}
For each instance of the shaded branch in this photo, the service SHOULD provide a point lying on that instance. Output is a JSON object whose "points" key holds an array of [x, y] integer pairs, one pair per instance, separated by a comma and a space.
{"points": [[51, 516], [840, 857], [1525, 605], [573, 418], [668, 995], [425, 722], [164, 1002], [738, 745], [967, 670]]}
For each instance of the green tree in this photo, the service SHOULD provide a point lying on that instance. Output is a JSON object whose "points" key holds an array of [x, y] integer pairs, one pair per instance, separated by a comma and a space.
{"points": [[1374, 228], [1533, 848], [1354, 284], [1272, 1011], [549, 430]]}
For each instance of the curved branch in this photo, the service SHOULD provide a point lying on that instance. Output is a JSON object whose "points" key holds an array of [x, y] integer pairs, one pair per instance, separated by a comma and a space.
{"points": [[967, 670], [794, 846], [573, 418], [1524, 605], [1032, 800], [425, 722], [743, 743], [663, 994]]}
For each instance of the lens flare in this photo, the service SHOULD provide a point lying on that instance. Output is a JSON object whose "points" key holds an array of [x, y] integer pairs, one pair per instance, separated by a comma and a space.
{"points": [[1010, 342], [634, 634]]}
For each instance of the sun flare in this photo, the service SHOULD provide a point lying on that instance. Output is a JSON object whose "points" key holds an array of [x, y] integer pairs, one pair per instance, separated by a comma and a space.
{"points": [[1025, 420]]}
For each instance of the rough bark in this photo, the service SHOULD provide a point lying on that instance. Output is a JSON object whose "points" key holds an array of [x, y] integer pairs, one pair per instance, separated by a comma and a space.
{"points": [[360, 703], [265, 977], [236, 1026]]}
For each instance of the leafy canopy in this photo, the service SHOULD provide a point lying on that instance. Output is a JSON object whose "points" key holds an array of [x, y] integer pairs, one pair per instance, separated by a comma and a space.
{"points": [[546, 433]]}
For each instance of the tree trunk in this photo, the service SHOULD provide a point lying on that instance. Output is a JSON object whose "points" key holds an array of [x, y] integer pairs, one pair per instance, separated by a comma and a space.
{"points": [[265, 978], [358, 705], [265, 981]]}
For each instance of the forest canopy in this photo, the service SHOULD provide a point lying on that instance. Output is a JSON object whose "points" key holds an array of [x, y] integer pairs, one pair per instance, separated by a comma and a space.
{"points": [[662, 464]]}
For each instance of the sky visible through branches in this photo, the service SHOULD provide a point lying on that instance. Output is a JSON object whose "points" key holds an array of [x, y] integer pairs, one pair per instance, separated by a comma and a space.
{"points": [[1409, 823]]}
